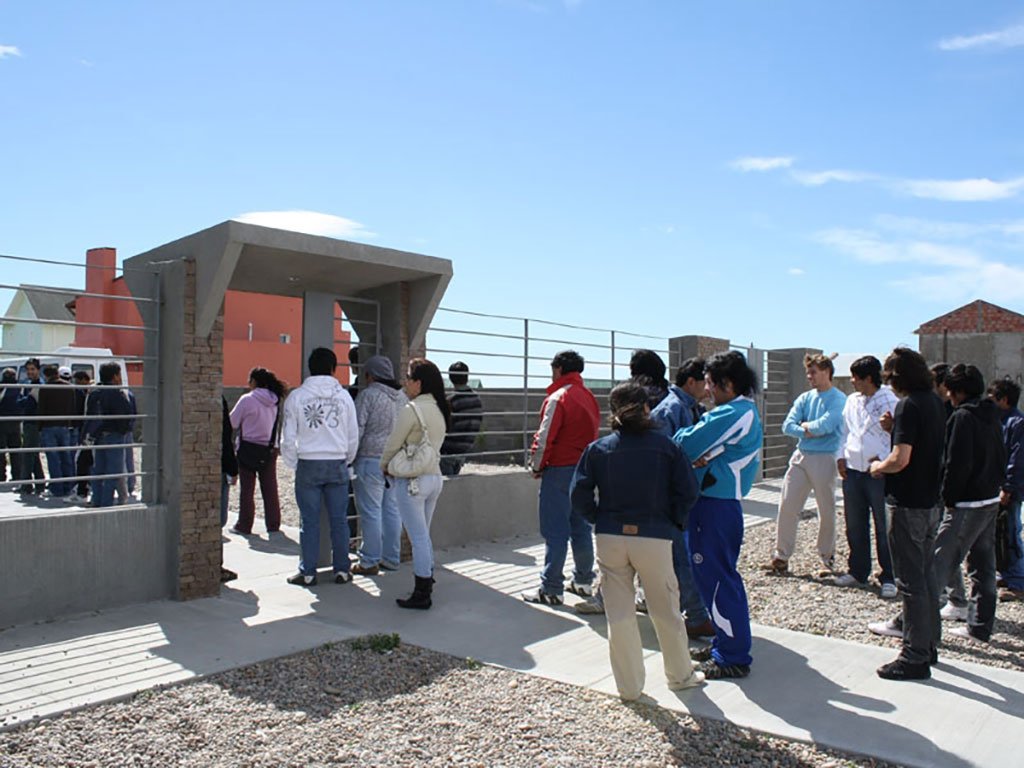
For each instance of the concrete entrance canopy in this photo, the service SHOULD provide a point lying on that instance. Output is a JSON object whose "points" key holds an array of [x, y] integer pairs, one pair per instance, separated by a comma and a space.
{"points": [[390, 296], [248, 257]]}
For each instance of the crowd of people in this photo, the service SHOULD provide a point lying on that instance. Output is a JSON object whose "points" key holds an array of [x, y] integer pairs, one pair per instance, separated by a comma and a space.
{"points": [[390, 442], [84, 430], [934, 462], [924, 456]]}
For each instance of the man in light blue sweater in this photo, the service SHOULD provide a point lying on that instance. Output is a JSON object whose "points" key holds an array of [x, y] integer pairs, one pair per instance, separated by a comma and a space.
{"points": [[816, 419]]}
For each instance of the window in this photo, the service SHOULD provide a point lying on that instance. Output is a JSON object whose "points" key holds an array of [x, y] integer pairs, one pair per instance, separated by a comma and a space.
{"points": [[286, 338]]}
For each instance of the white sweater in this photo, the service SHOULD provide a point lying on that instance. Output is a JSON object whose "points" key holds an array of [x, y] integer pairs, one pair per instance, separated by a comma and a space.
{"points": [[319, 423]]}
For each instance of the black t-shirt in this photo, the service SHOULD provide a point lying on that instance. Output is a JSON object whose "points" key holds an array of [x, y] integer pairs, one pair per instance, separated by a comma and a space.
{"points": [[920, 422]]}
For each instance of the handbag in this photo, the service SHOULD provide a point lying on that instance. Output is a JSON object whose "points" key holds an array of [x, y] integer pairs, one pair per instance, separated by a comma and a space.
{"points": [[254, 456], [414, 460]]}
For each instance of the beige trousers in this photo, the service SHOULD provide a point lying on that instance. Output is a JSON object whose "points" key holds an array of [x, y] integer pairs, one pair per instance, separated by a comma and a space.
{"points": [[807, 472], [620, 558]]}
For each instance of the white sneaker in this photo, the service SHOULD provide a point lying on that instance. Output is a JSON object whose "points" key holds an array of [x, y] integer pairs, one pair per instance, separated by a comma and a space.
{"points": [[952, 612], [885, 628], [847, 580], [889, 591], [964, 634]]}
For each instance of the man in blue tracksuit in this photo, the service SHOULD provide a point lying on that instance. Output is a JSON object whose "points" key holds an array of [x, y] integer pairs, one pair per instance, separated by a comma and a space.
{"points": [[725, 443]]}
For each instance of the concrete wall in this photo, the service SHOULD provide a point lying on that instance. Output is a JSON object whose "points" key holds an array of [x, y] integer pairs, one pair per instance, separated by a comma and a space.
{"points": [[485, 507], [70, 562], [996, 354]]}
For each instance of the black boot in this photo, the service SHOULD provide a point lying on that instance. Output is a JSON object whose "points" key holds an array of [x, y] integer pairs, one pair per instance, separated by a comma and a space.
{"points": [[420, 597]]}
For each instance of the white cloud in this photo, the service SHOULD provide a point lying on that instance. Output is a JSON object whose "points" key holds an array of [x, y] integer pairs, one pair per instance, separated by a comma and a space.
{"points": [[308, 222], [1011, 37], [795, 271], [949, 230], [961, 190], [941, 272], [760, 164], [9, 50], [818, 178], [954, 190]]}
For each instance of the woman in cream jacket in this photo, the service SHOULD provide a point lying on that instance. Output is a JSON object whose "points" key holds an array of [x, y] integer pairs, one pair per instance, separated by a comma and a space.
{"points": [[417, 496]]}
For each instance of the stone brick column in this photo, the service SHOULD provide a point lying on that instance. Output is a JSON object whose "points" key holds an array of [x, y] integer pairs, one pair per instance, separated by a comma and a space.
{"points": [[199, 546]]}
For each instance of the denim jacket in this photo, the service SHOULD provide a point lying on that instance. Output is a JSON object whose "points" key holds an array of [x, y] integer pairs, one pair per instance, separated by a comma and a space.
{"points": [[645, 483]]}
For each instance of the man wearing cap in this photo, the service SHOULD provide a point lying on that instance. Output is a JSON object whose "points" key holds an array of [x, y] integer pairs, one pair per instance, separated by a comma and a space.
{"points": [[56, 403], [467, 417]]}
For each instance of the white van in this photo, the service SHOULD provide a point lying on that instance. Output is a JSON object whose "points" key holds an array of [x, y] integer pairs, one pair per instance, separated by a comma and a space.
{"points": [[87, 359]]}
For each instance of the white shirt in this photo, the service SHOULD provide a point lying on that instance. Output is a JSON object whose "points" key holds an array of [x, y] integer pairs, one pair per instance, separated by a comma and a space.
{"points": [[863, 437]]}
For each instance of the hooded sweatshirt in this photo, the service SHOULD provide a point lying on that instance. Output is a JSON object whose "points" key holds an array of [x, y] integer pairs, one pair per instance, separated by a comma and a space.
{"points": [[975, 461], [377, 408], [319, 423], [254, 415]]}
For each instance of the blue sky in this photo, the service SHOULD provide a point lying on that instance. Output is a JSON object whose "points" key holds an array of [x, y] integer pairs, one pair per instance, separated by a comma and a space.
{"points": [[807, 173]]}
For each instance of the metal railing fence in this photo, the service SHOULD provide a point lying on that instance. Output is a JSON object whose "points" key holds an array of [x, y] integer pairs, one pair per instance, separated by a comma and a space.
{"points": [[509, 368]]}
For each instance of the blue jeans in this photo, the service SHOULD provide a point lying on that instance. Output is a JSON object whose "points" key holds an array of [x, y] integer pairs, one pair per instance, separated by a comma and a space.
{"points": [[560, 526], [1014, 574], [690, 601], [716, 534], [60, 463], [322, 483], [379, 518], [864, 501], [107, 461], [129, 461], [417, 512]]}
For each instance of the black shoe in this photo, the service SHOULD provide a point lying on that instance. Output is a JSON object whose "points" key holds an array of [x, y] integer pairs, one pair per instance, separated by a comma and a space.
{"points": [[420, 597], [933, 659], [714, 671], [302, 580], [902, 670], [701, 654]]}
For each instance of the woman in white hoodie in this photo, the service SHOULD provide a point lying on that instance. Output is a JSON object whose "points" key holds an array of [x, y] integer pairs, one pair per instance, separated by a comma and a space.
{"points": [[417, 496]]}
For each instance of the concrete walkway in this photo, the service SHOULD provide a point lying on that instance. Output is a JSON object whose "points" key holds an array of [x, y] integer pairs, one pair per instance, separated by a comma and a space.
{"points": [[803, 687]]}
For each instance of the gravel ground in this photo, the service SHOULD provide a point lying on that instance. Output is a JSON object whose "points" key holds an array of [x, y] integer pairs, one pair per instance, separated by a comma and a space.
{"points": [[409, 707], [806, 603]]}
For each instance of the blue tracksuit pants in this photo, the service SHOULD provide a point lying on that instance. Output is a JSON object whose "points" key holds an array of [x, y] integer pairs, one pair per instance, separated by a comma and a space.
{"points": [[716, 533]]}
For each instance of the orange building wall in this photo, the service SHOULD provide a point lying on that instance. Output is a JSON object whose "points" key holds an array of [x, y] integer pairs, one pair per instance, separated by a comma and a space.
{"points": [[269, 317]]}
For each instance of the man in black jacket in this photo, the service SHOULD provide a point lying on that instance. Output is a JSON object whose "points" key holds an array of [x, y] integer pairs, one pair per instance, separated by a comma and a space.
{"points": [[973, 471], [10, 431], [467, 418]]}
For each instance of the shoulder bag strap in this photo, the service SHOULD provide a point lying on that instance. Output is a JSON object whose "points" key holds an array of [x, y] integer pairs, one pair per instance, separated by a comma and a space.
{"points": [[419, 418]]}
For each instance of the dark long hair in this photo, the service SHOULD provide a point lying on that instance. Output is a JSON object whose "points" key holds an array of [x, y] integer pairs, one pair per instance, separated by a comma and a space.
{"points": [[627, 403], [431, 383], [267, 380], [907, 371]]}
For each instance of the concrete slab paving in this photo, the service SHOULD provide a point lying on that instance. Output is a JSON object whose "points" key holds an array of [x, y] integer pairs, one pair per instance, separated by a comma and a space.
{"points": [[803, 686]]}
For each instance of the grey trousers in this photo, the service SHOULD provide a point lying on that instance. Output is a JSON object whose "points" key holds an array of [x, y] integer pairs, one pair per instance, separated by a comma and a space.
{"points": [[912, 534], [970, 533]]}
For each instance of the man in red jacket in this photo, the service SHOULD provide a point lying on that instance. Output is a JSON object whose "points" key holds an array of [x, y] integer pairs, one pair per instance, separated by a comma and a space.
{"points": [[568, 423]]}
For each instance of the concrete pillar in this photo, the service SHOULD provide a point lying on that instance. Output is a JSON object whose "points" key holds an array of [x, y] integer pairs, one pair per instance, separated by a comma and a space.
{"points": [[189, 416], [684, 347]]}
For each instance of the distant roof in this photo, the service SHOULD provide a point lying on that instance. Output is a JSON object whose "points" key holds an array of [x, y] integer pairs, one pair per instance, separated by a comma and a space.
{"points": [[977, 317], [48, 305]]}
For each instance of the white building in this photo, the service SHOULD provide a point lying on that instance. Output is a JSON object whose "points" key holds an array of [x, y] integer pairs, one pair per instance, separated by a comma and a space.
{"points": [[32, 303]]}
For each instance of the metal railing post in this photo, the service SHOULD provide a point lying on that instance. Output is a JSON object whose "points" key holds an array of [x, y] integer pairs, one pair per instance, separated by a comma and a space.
{"points": [[526, 392], [613, 358]]}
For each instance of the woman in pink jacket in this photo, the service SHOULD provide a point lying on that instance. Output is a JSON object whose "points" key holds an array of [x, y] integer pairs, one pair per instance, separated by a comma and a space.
{"points": [[255, 419]]}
